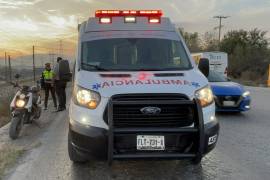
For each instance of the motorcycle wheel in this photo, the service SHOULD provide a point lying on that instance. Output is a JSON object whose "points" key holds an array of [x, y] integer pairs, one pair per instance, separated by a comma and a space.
{"points": [[38, 112], [15, 127]]}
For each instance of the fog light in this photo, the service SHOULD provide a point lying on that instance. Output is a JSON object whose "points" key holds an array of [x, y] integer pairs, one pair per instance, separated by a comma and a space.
{"points": [[84, 120], [212, 118], [212, 139]]}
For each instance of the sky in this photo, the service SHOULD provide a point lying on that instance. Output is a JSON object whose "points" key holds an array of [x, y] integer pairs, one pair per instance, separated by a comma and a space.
{"points": [[47, 23]]}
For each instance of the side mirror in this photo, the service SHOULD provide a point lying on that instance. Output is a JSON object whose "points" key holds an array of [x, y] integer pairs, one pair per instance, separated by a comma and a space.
{"points": [[204, 66], [229, 79], [17, 76]]}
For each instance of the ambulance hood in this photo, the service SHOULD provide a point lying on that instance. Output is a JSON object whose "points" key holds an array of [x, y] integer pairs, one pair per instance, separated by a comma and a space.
{"points": [[112, 83]]}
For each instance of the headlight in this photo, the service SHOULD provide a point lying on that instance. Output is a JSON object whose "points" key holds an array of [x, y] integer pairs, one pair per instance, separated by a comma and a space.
{"points": [[20, 103], [246, 94], [205, 96], [86, 98]]}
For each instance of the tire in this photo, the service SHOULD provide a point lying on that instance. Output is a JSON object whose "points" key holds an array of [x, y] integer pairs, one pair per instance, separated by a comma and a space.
{"points": [[196, 160], [15, 127], [73, 155], [38, 112]]}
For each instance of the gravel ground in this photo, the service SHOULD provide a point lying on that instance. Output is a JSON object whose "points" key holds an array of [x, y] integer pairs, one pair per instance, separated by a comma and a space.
{"points": [[243, 152]]}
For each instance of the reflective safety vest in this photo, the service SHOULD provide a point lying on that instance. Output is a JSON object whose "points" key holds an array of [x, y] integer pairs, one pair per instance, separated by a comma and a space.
{"points": [[48, 76]]}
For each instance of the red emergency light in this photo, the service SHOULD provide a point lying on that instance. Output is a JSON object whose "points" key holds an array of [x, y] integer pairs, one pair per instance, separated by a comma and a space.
{"points": [[130, 15]]}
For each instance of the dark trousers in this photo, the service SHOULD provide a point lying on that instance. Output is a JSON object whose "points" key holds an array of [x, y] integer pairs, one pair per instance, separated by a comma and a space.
{"points": [[49, 88], [61, 93]]}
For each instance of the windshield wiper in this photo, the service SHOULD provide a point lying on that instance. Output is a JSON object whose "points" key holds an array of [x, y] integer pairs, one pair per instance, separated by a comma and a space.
{"points": [[95, 66]]}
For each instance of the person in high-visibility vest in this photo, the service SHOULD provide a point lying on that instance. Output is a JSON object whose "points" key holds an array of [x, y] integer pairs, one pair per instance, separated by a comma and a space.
{"points": [[48, 85]]}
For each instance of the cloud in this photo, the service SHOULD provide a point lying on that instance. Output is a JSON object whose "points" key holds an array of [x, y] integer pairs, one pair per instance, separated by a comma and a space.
{"points": [[50, 20], [14, 4], [62, 22], [88, 1], [19, 25], [254, 11], [52, 10], [193, 10]]}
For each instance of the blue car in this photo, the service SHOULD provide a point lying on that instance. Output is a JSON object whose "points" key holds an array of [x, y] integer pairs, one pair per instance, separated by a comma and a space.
{"points": [[229, 96]]}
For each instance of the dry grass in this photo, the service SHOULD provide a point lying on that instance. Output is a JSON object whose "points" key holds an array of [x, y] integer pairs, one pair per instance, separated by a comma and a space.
{"points": [[8, 157], [253, 78], [4, 111]]}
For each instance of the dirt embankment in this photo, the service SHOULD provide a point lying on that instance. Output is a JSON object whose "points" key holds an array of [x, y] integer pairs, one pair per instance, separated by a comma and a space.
{"points": [[6, 94]]}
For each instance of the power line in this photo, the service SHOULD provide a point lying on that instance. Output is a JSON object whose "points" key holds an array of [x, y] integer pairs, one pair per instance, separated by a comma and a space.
{"points": [[54, 49], [220, 25]]}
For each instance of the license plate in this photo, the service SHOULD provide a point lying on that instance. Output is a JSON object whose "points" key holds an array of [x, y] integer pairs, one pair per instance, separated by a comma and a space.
{"points": [[150, 143], [228, 103]]}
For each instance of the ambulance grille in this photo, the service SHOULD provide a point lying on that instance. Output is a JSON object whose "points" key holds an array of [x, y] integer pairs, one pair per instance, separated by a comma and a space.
{"points": [[171, 115]]}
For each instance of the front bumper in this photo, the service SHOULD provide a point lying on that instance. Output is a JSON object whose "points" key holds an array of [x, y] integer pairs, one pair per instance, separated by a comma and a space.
{"points": [[243, 105], [92, 142]]}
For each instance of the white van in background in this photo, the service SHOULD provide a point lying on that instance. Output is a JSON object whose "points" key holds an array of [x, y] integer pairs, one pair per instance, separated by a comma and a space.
{"points": [[218, 61]]}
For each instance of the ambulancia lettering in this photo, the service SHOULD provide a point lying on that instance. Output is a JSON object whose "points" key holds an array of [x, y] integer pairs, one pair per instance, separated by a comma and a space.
{"points": [[117, 83]]}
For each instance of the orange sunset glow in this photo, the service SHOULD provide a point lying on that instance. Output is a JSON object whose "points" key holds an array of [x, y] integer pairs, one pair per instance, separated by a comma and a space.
{"points": [[51, 26]]}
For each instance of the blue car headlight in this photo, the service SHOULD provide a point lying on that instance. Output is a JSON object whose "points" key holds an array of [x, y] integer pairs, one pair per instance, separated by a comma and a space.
{"points": [[246, 94]]}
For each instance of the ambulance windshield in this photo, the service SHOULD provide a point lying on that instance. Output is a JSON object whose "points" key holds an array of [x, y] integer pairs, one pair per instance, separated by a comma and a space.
{"points": [[135, 54]]}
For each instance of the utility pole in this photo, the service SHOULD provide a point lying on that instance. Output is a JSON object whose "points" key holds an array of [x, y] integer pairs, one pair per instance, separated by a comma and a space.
{"points": [[6, 70], [9, 67], [220, 25], [34, 68], [60, 48]]}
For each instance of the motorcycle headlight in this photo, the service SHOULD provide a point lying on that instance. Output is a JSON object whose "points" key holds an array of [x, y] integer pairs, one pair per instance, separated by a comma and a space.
{"points": [[246, 94], [86, 98], [205, 96], [20, 103]]}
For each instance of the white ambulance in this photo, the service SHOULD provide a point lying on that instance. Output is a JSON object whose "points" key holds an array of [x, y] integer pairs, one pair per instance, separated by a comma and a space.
{"points": [[218, 61], [137, 92]]}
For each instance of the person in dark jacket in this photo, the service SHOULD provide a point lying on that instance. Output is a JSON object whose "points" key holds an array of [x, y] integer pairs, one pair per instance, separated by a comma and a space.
{"points": [[60, 86], [48, 85]]}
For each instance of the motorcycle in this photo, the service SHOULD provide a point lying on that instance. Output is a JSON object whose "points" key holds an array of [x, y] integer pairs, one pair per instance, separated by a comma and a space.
{"points": [[25, 107]]}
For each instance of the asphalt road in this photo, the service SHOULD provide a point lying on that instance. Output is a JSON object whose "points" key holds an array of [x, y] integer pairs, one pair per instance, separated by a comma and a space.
{"points": [[243, 152]]}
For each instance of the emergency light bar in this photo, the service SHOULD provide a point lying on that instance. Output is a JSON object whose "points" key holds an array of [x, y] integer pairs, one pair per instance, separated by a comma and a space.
{"points": [[105, 16]]}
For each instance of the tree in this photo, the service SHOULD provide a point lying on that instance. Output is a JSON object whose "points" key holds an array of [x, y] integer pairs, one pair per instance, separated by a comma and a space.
{"points": [[248, 53], [192, 40], [210, 42]]}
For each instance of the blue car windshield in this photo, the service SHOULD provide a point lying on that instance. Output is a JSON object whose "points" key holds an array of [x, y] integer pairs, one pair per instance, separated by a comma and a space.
{"points": [[216, 77]]}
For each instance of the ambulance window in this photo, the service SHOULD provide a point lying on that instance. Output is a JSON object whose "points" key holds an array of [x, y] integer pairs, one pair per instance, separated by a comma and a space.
{"points": [[178, 54]]}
